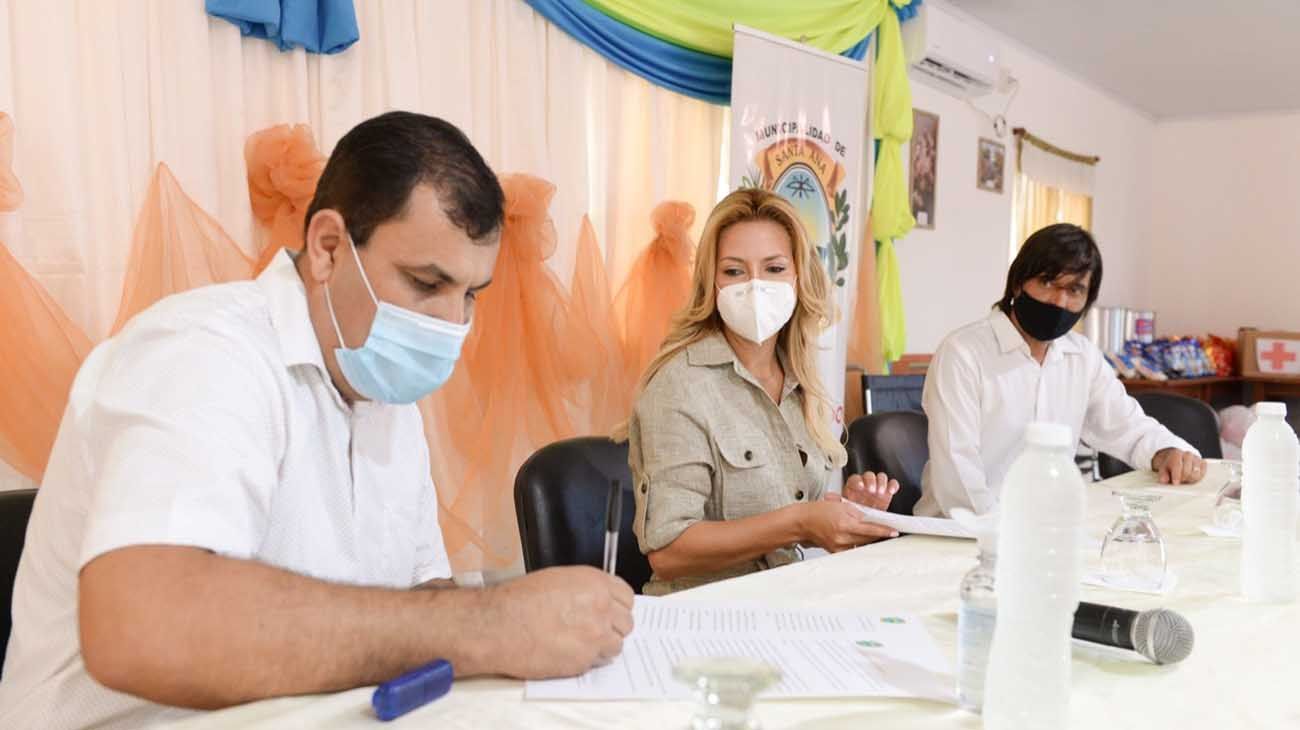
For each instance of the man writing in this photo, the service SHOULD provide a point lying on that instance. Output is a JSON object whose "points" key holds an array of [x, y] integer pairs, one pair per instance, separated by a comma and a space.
{"points": [[238, 502]]}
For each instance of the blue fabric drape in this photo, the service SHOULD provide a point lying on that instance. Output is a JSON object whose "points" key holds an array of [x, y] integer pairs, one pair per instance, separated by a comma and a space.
{"points": [[907, 12], [319, 26], [685, 71], [699, 75]]}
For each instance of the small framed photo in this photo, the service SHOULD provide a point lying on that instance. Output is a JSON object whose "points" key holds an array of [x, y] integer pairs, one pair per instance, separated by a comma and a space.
{"points": [[923, 164], [990, 168]]}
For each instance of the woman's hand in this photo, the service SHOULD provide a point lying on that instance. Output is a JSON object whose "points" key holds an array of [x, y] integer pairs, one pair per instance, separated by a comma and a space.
{"points": [[834, 525], [871, 490]]}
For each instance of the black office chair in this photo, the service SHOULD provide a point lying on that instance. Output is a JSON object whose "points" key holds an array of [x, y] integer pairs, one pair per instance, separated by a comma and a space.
{"points": [[15, 510], [560, 498], [895, 443], [1192, 420]]}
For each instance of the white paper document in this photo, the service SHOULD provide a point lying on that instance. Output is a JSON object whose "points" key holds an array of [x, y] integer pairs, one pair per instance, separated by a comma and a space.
{"points": [[938, 526], [820, 654]]}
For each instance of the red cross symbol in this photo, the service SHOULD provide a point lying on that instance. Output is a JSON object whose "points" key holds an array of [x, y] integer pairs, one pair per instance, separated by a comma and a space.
{"points": [[1278, 356]]}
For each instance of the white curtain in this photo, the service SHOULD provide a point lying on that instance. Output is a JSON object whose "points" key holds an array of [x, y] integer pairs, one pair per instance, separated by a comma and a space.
{"points": [[1047, 168], [101, 92]]}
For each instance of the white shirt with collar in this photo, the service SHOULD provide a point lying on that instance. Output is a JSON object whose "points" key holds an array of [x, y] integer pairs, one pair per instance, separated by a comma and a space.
{"points": [[983, 388], [210, 421]]}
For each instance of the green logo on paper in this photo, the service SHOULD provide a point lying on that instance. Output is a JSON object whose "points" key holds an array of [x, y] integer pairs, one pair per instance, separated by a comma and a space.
{"points": [[892, 620], [869, 644]]}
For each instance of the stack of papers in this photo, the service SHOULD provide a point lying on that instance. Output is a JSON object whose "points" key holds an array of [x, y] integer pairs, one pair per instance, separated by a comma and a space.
{"points": [[916, 525], [820, 654]]}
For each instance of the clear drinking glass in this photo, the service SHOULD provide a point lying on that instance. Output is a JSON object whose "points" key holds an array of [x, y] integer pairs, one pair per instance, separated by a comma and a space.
{"points": [[725, 689], [1227, 503], [1133, 553]]}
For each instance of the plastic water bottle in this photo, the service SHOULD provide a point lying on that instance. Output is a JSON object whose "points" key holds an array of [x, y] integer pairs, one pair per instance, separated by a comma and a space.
{"points": [[1038, 571], [975, 621], [1268, 503]]}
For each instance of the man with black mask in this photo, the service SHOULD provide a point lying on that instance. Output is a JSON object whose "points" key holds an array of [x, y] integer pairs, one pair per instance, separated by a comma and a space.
{"points": [[990, 379]]}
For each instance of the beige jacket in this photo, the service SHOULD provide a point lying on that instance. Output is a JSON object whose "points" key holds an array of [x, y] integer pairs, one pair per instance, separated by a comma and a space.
{"points": [[707, 443]]}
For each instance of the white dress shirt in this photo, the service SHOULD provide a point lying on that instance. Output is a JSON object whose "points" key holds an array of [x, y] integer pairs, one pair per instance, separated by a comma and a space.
{"points": [[983, 388], [210, 421]]}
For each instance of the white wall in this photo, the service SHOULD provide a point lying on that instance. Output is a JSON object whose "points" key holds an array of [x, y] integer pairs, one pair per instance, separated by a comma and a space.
{"points": [[1225, 224], [952, 274]]}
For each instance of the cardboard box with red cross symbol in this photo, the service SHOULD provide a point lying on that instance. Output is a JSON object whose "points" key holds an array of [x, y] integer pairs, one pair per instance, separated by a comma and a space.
{"points": [[1273, 354]]}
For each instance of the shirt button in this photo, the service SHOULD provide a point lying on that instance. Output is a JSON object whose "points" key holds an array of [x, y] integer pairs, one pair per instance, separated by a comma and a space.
{"points": [[749, 456], [798, 494]]}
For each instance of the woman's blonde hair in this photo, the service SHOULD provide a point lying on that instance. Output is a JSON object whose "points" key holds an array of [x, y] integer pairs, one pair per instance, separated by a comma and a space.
{"points": [[813, 310]]}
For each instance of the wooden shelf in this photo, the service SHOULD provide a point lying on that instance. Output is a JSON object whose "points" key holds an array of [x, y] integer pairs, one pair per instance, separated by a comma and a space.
{"points": [[1220, 392], [1217, 391], [1263, 387]]}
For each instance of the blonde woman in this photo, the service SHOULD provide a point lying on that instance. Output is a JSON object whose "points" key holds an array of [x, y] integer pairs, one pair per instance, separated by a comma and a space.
{"points": [[730, 440]]}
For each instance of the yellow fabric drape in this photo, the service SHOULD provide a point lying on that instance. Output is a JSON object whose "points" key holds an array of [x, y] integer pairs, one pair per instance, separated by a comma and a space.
{"points": [[706, 25], [891, 215], [1038, 205]]}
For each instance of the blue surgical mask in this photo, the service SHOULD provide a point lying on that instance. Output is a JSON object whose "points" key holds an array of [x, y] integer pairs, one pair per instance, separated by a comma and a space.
{"points": [[407, 355]]}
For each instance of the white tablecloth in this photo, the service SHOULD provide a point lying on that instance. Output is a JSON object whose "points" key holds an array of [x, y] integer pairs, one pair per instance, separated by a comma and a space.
{"points": [[1242, 673]]}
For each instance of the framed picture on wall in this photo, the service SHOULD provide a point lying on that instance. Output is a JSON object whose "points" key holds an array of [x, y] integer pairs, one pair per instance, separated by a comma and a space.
{"points": [[990, 167], [923, 166]]}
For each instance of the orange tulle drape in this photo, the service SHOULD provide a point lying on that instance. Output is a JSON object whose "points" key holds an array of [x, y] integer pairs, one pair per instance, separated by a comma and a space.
{"points": [[11, 192], [176, 247], [542, 362], [607, 400], [39, 356], [512, 391], [864, 350], [658, 284], [284, 166], [40, 351]]}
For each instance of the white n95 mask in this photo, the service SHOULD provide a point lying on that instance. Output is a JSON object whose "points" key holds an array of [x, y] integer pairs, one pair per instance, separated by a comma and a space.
{"points": [[756, 309]]}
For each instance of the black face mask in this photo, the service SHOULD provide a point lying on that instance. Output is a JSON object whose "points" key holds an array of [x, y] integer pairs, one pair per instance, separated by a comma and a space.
{"points": [[1042, 321]]}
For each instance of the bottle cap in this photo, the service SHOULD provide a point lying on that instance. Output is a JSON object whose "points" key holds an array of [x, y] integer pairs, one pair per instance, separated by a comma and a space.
{"points": [[1269, 408]]}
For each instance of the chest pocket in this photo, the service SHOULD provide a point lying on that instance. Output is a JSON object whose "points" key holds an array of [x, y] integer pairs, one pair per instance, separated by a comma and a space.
{"points": [[740, 453], [747, 482]]}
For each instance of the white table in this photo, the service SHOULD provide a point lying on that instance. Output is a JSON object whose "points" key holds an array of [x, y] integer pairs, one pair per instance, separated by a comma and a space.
{"points": [[1242, 672]]}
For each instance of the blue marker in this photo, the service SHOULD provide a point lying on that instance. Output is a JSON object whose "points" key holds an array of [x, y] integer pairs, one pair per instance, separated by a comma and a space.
{"points": [[412, 690]]}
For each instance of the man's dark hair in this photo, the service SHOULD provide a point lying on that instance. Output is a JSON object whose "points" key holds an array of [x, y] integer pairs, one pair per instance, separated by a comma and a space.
{"points": [[1061, 248], [376, 165]]}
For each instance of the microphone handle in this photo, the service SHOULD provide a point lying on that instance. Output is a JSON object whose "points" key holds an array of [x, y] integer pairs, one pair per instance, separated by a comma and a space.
{"points": [[1104, 625]]}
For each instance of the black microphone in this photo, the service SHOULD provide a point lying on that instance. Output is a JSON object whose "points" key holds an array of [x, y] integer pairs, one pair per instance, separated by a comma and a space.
{"points": [[1160, 635]]}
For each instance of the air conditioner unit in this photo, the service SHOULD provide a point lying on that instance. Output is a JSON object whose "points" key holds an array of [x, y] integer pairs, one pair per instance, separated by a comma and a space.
{"points": [[951, 55]]}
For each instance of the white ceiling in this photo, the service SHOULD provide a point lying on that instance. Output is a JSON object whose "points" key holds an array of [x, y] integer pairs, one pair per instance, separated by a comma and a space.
{"points": [[1169, 58]]}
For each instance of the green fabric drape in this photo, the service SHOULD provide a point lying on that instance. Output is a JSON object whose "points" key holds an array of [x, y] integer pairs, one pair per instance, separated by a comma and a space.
{"points": [[891, 214], [705, 25]]}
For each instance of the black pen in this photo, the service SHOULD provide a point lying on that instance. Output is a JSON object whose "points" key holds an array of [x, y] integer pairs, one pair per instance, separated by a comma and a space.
{"points": [[613, 518]]}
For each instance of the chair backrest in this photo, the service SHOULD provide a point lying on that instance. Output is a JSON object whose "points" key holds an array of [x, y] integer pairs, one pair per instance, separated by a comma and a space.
{"points": [[1292, 404], [15, 510], [560, 498], [882, 393], [895, 443], [1192, 420]]}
